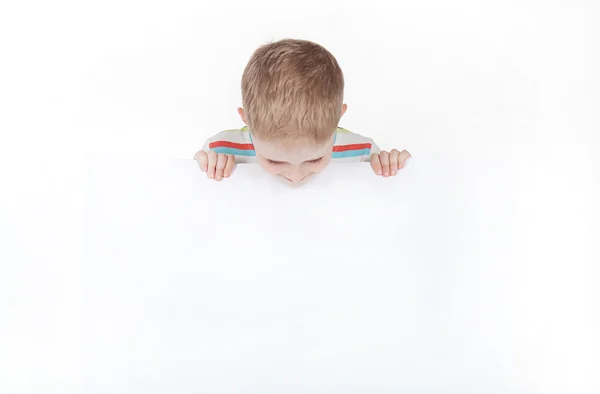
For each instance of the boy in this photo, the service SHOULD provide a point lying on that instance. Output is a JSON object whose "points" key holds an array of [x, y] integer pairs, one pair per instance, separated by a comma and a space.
{"points": [[292, 92]]}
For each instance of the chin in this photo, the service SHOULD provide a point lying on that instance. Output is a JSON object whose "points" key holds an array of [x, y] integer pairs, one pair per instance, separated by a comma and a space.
{"points": [[296, 185]]}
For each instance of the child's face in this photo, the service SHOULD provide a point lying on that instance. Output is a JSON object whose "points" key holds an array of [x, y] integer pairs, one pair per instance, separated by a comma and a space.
{"points": [[294, 165]]}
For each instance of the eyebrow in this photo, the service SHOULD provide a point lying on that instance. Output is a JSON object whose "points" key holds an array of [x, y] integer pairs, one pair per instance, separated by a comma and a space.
{"points": [[280, 162]]}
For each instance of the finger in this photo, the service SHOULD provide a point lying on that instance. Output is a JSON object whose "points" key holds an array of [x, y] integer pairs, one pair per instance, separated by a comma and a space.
{"points": [[230, 166], [403, 159], [212, 163], [384, 157], [202, 160], [375, 163], [394, 161], [221, 161]]}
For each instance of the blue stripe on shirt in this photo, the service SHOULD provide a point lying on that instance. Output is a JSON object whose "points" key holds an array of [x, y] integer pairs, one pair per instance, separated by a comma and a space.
{"points": [[350, 153], [233, 151]]}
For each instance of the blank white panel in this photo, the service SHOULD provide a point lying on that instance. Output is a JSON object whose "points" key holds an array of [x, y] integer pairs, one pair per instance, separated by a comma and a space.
{"points": [[350, 283]]}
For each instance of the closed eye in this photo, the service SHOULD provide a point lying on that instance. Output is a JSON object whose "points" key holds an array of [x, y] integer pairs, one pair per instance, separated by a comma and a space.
{"points": [[279, 162]]}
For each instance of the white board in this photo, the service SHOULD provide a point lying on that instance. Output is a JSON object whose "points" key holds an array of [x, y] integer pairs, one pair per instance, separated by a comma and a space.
{"points": [[351, 284]]}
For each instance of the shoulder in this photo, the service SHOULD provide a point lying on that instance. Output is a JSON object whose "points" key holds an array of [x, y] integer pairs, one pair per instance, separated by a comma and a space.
{"points": [[232, 142], [241, 135], [351, 146], [236, 142]]}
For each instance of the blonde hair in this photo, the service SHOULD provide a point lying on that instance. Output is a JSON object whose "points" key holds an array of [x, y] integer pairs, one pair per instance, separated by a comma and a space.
{"points": [[292, 90]]}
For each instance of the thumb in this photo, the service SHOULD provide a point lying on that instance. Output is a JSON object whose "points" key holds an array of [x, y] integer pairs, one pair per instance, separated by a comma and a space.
{"points": [[202, 158], [403, 159], [376, 163]]}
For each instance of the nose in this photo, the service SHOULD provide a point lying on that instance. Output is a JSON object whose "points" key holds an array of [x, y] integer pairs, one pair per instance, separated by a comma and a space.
{"points": [[297, 177]]}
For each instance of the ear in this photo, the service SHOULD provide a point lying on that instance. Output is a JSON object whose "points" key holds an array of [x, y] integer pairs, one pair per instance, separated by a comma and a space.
{"points": [[241, 112], [344, 108]]}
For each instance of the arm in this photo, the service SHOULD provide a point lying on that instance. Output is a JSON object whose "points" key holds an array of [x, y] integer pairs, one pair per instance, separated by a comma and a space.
{"points": [[217, 162]]}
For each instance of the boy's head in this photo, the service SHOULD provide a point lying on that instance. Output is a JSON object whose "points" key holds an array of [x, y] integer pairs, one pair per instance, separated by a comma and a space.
{"points": [[292, 92]]}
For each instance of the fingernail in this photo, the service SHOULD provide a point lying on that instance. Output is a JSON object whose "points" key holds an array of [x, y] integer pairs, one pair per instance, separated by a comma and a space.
{"points": [[394, 172], [379, 172], [226, 174], [406, 162]]}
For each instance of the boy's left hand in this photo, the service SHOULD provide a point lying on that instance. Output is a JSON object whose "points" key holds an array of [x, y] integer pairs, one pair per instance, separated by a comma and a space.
{"points": [[388, 164]]}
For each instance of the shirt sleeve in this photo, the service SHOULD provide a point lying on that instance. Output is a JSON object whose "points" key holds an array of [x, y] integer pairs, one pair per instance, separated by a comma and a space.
{"points": [[374, 149], [353, 147], [236, 142], [221, 136], [205, 148]]}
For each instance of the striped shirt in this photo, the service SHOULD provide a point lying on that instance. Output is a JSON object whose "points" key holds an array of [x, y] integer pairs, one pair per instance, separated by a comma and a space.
{"points": [[348, 146]]}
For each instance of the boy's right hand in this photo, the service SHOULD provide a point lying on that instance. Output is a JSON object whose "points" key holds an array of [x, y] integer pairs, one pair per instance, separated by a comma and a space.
{"points": [[216, 166]]}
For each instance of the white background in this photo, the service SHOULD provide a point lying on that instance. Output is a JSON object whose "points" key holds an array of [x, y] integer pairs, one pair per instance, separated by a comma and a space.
{"points": [[512, 80]]}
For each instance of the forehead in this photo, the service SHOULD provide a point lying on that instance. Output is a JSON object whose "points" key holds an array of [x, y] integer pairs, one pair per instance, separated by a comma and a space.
{"points": [[292, 153]]}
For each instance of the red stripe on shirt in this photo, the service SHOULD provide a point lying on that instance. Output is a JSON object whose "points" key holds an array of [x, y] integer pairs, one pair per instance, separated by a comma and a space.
{"points": [[343, 148], [228, 144]]}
